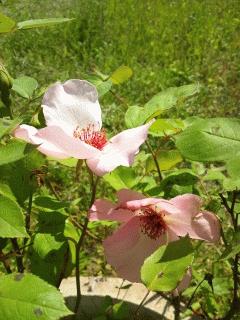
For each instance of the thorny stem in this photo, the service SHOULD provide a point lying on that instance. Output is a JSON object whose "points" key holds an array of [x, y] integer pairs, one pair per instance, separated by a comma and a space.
{"points": [[19, 261], [155, 160], [80, 242]]}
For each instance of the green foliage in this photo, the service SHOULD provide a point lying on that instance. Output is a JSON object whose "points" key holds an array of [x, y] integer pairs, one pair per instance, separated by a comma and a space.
{"points": [[121, 75], [214, 139], [159, 104], [122, 178], [25, 86], [166, 159], [159, 272], [12, 224], [166, 127], [6, 24], [6, 125], [13, 151], [39, 300], [19, 176], [49, 255]]}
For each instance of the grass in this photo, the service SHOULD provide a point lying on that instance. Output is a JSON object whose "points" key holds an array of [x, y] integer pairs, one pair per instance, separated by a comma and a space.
{"points": [[166, 43]]}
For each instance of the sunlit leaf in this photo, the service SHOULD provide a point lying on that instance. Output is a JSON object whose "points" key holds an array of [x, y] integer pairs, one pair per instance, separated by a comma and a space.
{"points": [[25, 86], [6, 24], [12, 224], [39, 23], [215, 139], [122, 177], [25, 296], [165, 268], [166, 127], [120, 75], [160, 103], [166, 159], [14, 150]]}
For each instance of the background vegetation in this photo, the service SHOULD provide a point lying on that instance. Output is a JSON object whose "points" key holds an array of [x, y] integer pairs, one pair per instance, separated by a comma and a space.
{"points": [[166, 43]]}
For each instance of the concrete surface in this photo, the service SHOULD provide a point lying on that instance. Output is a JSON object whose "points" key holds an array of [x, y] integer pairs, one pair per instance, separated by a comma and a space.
{"points": [[94, 289]]}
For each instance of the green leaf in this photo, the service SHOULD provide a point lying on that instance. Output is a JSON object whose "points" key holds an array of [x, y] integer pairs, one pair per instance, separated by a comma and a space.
{"points": [[6, 24], [216, 139], [6, 125], [166, 267], [69, 162], [122, 177], [6, 191], [233, 167], [166, 159], [120, 75], [134, 116], [160, 103], [179, 182], [166, 127], [231, 184], [169, 98], [19, 175], [48, 203], [214, 174], [230, 252], [40, 23], [104, 87], [120, 311], [12, 224], [25, 296], [49, 252], [25, 86], [13, 151]]}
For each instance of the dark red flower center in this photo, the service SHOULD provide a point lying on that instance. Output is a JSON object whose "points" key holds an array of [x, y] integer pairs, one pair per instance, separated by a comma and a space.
{"points": [[152, 223], [94, 138]]}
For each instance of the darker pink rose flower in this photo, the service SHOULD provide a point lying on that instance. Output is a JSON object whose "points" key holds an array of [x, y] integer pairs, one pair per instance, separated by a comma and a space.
{"points": [[147, 223], [74, 129]]}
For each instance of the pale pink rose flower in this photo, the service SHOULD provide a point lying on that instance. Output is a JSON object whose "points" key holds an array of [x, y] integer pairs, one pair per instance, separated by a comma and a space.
{"points": [[147, 223], [74, 129]]}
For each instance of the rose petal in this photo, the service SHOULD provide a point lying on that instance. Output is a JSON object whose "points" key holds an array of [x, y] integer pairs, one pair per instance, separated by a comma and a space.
{"points": [[180, 221], [127, 249], [120, 150], [29, 134], [106, 210], [188, 203], [206, 226], [128, 195], [72, 104], [71, 146]]}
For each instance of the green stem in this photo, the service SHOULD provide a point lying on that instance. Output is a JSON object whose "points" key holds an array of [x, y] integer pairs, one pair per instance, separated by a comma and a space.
{"points": [[28, 214], [79, 245], [155, 160]]}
